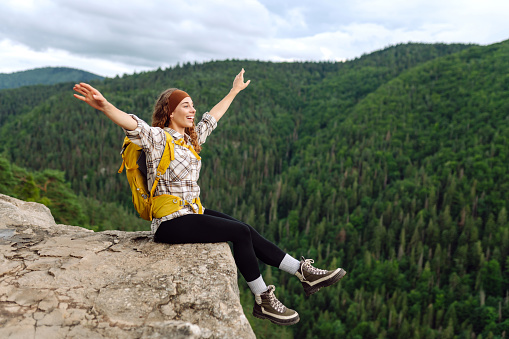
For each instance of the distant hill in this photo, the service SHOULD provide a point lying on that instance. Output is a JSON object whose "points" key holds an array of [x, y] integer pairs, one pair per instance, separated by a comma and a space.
{"points": [[45, 76]]}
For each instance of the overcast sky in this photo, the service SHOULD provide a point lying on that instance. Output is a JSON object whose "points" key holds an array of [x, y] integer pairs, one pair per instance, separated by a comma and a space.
{"points": [[110, 37]]}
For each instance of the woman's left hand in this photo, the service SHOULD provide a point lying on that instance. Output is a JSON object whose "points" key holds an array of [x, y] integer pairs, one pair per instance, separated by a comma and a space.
{"points": [[238, 85], [238, 82]]}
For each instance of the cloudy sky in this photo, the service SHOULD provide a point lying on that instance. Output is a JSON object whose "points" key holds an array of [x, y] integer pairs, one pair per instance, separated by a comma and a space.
{"points": [[110, 37]]}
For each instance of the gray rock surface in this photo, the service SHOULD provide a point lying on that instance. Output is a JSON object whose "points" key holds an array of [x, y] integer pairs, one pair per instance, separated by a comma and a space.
{"points": [[59, 281]]}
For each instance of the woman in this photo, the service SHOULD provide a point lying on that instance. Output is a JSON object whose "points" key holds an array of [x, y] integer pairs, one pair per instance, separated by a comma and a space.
{"points": [[174, 113]]}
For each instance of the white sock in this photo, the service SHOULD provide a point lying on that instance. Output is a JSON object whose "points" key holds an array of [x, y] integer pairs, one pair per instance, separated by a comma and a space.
{"points": [[289, 264], [257, 286]]}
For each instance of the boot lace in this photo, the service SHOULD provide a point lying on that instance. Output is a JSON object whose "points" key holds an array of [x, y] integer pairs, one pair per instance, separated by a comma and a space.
{"points": [[308, 267], [274, 302]]}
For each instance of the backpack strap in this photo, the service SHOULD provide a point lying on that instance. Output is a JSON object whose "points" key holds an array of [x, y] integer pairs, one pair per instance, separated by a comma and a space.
{"points": [[168, 156], [182, 143], [167, 204], [124, 146]]}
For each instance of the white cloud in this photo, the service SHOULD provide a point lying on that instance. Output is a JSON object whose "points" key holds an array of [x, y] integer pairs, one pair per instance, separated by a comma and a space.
{"points": [[114, 37], [355, 39], [19, 57], [141, 33], [452, 20]]}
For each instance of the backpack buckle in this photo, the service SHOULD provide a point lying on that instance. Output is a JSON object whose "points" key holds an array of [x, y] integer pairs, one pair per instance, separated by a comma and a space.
{"points": [[177, 202]]}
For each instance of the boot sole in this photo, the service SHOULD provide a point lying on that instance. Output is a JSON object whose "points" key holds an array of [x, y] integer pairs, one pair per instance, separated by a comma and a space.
{"points": [[281, 322], [334, 279]]}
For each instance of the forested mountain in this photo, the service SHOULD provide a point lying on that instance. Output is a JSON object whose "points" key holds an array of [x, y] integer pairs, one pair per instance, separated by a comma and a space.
{"points": [[392, 165], [45, 76]]}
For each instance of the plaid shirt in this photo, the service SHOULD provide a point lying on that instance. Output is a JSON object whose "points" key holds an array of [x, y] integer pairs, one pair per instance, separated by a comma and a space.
{"points": [[180, 179]]}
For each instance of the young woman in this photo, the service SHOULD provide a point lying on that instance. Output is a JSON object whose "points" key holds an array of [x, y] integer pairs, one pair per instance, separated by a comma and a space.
{"points": [[174, 113]]}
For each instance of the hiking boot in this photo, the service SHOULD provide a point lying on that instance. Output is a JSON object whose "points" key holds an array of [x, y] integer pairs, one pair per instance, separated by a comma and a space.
{"points": [[267, 306], [313, 279]]}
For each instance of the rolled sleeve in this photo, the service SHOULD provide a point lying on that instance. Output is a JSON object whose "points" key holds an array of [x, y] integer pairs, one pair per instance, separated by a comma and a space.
{"points": [[206, 125], [145, 136]]}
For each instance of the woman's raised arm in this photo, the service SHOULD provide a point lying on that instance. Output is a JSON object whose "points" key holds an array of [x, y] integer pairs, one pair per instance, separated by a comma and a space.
{"points": [[95, 99], [238, 85]]}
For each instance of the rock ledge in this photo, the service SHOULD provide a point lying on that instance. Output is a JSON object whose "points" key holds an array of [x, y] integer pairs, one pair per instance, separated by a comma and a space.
{"points": [[59, 281]]}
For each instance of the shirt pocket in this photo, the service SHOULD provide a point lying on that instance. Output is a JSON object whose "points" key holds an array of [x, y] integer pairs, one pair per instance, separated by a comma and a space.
{"points": [[180, 167]]}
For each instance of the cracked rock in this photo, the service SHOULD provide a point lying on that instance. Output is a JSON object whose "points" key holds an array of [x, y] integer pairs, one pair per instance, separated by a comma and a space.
{"points": [[60, 281]]}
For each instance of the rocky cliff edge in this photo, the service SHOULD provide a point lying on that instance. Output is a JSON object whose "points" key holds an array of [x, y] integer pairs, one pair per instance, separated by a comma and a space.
{"points": [[59, 281]]}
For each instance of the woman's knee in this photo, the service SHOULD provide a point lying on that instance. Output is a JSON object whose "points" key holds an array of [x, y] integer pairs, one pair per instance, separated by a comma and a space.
{"points": [[242, 232]]}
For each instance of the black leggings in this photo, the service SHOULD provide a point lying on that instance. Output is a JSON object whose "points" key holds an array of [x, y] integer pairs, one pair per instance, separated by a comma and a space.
{"points": [[214, 226]]}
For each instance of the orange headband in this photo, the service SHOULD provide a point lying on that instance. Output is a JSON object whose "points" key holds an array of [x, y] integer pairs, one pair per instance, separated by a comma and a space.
{"points": [[175, 98]]}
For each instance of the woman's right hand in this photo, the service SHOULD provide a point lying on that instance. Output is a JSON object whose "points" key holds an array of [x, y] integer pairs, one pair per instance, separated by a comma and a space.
{"points": [[95, 99], [91, 96]]}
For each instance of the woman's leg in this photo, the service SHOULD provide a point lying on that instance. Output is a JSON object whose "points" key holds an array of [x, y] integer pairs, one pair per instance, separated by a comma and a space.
{"points": [[203, 228], [265, 250], [207, 228], [312, 279], [267, 306]]}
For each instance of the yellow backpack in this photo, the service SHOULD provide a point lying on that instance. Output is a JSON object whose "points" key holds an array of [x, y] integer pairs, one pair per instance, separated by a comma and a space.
{"points": [[144, 201]]}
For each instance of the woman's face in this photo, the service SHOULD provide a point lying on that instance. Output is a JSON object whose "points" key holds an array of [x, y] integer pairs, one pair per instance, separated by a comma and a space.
{"points": [[183, 115]]}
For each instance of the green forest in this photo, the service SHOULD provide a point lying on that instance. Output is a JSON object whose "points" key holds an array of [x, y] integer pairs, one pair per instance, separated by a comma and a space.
{"points": [[45, 76], [393, 165]]}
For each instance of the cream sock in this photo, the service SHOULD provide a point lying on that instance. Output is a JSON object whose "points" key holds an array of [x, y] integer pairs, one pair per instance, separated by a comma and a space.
{"points": [[289, 264], [257, 286]]}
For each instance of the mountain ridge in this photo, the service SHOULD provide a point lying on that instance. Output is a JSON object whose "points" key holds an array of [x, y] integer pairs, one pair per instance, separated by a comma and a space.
{"points": [[45, 76]]}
